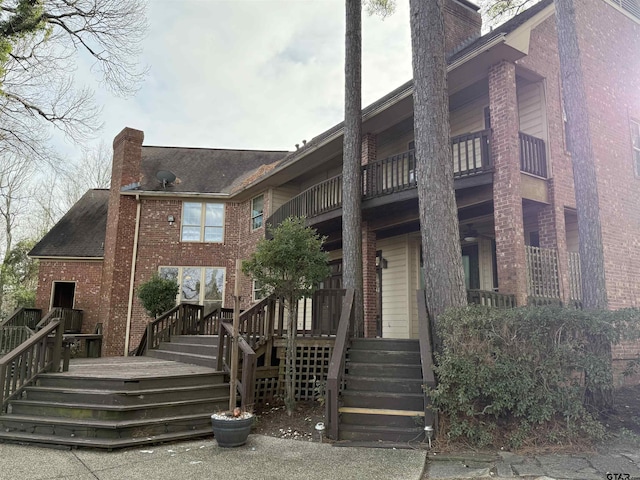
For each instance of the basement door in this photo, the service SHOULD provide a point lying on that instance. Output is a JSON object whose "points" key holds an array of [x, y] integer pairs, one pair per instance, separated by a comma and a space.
{"points": [[63, 294]]}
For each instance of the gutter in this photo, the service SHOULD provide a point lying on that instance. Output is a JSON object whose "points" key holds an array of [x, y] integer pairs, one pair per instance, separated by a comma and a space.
{"points": [[134, 258], [139, 193]]}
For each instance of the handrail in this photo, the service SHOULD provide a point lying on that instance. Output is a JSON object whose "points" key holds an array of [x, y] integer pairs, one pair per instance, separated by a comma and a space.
{"points": [[42, 352], [28, 317], [337, 364], [426, 356], [246, 385], [210, 323], [11, 337]]}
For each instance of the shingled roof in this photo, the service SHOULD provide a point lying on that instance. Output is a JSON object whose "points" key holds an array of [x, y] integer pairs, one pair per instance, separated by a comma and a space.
{"points": [[201, 170], [81, 232]]}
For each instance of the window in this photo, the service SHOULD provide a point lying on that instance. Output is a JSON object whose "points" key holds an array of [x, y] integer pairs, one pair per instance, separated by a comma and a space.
{"points": [[257, 291], [631, 6], [199, 285], [202, 222], [257, 212], [635, 142]]}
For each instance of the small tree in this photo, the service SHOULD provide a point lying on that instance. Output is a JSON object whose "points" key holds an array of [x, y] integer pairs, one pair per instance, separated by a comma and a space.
{"points": [[158, 295], [291, 265]]}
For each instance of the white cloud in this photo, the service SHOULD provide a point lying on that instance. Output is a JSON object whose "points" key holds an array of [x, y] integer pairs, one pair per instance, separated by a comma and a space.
{"points": [[253, 73]]}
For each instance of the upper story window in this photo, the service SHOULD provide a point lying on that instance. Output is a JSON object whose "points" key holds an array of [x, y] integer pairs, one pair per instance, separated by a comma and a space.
{"points": [[202, 222], [257, 212], [635, 141]]}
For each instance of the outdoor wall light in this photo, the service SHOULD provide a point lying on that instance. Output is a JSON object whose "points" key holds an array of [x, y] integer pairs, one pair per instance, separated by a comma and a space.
{"points": [[381, 262], [171, 219]]}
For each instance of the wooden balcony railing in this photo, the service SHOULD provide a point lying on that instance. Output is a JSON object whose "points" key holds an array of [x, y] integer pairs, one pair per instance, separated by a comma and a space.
{"points": [[491, 299], [71, 319], [542, 273], [533, 155], [470, 156]]}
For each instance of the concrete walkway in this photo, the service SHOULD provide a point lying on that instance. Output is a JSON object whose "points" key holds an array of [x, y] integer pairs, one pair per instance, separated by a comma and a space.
{"points": [[262, 458], [617, 460], [265, 458]]}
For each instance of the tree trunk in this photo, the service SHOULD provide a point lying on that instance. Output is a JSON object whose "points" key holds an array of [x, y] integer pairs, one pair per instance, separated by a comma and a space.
{"points": [[351, 163], [442, 259], [290, 357], [594, 292]]}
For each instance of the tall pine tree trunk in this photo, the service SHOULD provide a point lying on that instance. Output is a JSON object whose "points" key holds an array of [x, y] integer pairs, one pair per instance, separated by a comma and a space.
{"points": [[351, 162], [594, 292], [442, 258]]}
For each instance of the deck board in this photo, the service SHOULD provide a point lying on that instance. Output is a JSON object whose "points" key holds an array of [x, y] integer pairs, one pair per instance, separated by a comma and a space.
{"points": [[131, 368]]}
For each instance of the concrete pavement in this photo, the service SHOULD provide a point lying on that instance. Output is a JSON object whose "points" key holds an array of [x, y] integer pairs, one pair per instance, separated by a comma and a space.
{"points": [[262, 458], [267, 458]]}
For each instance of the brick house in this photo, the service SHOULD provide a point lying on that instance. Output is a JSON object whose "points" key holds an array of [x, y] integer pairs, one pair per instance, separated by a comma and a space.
{"points": [[513, 181]]}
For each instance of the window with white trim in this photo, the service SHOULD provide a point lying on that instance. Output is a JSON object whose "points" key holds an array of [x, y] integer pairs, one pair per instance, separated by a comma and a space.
{"points": [[257, 291], [257, 212], [198, 285], [202, 222], [635, 143]]}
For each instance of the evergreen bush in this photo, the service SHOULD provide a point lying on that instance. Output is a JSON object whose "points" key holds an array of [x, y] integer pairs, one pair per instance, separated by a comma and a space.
{"points": [[507, 377], [158, 295]]}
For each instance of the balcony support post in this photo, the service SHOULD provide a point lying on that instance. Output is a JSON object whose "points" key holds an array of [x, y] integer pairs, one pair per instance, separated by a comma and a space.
{"points": [[507, 195]]}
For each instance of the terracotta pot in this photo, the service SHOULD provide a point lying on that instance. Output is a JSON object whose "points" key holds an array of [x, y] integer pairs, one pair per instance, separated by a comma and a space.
{"points": [[230, 431]]}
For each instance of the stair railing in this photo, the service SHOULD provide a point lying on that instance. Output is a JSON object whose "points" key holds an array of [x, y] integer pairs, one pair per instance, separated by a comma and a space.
{"points": [[71, 319], [23, 317], [183, 319], [41, 353], [245, 385], [426, 357], [11, 337], [210, 323], [337, 365]]}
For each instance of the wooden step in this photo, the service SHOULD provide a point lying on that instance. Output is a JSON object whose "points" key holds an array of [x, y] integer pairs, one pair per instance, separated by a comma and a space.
{"points": [[89, 428], [384, 384], [384, 357], [211, 340], [381, 433], [192, 348], [389, 344], [71, 380], [190, 358], [103, 443], [127, 397], [117, 412], [394, 370]]}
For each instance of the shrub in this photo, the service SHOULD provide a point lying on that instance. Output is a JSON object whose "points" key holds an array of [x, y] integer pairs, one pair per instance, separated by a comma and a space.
{"points": [[515, 375], [158, 295]]}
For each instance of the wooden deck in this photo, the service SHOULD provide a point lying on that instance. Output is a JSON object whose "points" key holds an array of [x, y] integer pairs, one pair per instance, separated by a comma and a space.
{"points": [[130, 368]]}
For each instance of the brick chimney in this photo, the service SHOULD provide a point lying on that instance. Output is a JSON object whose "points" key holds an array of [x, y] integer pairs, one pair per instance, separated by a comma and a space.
{"points": [[118, 243], [462, 23]]}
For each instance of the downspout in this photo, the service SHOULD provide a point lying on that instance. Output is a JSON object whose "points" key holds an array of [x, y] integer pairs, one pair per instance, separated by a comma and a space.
{"points": [[134, 257]]}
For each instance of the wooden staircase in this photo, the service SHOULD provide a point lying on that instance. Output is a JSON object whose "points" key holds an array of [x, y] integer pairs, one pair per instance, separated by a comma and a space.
{"points": [[117, 402], [382, 400], [193, 349]]}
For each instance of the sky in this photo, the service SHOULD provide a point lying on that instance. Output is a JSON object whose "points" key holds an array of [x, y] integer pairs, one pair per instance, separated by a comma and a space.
{"points": [[250, 74]]}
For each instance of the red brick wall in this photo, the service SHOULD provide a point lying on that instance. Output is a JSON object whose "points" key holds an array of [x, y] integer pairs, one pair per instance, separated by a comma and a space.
{"points": [[507, 197], [610, 42], [461, 23], [87, 276]]}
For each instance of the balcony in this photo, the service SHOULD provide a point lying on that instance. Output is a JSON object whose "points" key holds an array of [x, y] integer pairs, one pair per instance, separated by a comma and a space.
{"points": [[470, 156]]}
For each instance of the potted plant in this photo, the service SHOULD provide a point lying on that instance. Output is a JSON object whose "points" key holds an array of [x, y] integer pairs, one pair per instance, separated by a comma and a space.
{"points": [[231, 429]]}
